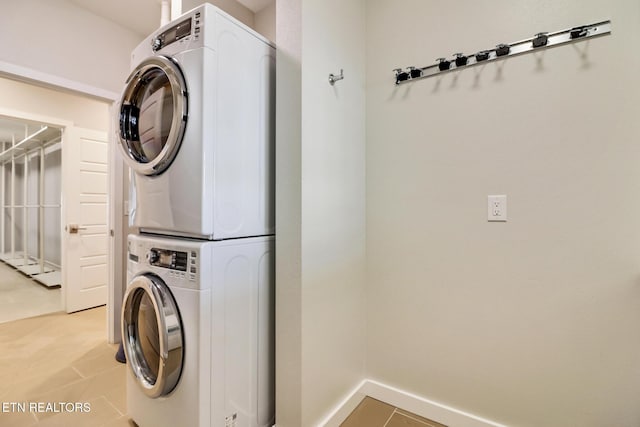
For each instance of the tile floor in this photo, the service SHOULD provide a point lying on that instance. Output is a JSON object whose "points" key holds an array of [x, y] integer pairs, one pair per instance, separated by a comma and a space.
{"points": [[21, 297], [58, 358], [374, 413]]}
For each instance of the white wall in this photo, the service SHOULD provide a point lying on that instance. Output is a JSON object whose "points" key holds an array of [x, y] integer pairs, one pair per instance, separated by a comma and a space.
{"points": [[48, 103], [333, 203], [533, 322], [61, 39], [288, 214], [264, 21], [321, 207], [232, 7]]}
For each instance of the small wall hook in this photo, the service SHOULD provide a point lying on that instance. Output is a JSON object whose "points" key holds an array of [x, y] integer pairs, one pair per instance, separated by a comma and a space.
{"points": [[334, 78]]}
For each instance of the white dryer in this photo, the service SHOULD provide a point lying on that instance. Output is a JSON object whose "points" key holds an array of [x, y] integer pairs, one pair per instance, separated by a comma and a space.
{"points": [[196, 126], [197, 328]]}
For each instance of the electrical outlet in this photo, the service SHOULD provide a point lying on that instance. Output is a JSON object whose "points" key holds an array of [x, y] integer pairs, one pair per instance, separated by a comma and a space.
{"points": [[497, 208]]}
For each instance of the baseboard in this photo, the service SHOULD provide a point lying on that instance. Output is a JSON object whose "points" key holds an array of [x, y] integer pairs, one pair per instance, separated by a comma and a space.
{"points": [[346, 407], [439, 412]]}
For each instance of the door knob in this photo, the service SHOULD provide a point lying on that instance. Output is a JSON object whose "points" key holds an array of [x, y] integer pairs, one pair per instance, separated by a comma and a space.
{"points": [[74, 228]]}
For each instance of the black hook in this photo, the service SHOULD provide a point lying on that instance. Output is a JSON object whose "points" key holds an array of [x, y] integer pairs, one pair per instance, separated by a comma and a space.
{"points": [[502, 49], [414, 72], [401, 76], [540, 40], [578, 32], [483, 55], [461, 60], [443, 64]]}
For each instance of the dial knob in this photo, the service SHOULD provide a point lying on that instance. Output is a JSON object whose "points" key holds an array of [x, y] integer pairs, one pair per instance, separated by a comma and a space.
{"points": [[156, 44], [153, 256]]}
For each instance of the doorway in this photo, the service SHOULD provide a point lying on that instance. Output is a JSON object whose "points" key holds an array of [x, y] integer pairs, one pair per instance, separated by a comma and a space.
{"points": [[30, 239], [54, 182]]}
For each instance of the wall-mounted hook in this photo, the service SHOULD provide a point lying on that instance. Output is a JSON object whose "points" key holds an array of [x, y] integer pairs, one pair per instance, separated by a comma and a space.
{"points": [[334, 78], [541, 39], [414, 72], [502, 49], [461, 59], [483, 55], [443, 64], [578, 32], [401, 76]]}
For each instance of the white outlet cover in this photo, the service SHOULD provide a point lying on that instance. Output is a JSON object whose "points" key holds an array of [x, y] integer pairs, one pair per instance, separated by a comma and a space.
{"points": [[497, 208]]}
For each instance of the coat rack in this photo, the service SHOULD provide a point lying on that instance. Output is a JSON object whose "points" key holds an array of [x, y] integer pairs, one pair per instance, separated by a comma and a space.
{"points": [[539, 42]]}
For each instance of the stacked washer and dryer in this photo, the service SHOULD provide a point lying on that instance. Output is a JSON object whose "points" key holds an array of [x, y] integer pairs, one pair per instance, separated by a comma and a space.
{"points": [[196, 125]]}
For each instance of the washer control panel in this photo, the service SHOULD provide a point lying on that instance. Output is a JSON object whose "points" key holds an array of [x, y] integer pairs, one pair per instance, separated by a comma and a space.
{"points": [[180, 262], [166, 258]]}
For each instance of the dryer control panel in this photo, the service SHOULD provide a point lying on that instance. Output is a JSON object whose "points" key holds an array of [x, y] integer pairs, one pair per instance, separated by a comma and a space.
{"points": [[172, 35]]}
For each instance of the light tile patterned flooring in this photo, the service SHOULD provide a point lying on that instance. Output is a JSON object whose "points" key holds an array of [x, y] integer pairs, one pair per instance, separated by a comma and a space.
{"points": [[61, 358], [65, 358], [21, 297], [374, 413]]}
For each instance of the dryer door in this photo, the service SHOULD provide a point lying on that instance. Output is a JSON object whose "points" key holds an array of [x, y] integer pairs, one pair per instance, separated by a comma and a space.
{"points": [[152, 335], [153, 115]]}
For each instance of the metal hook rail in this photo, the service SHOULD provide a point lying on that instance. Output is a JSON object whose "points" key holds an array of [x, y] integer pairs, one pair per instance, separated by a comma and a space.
{"points": [[539, 42]]}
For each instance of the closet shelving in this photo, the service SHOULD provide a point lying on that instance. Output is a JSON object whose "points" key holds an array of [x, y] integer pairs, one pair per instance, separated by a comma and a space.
{"points": [[24, 232]]}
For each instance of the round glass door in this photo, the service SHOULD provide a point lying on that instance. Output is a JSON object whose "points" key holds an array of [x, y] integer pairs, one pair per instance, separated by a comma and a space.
{"points": [[153, 115], [152, 335]]}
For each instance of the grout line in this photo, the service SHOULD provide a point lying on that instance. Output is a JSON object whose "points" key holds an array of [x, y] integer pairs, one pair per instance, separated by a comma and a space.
{"points": [[78, 372], [395, 410], [417, 420], [33, 415], [113, 406]]}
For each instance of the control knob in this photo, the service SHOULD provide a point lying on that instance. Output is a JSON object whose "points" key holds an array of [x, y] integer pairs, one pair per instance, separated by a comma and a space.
{"points": [[153, 256], [156, 44]]}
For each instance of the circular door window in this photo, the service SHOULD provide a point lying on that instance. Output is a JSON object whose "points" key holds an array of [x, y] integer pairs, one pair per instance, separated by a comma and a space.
{"points": [[152, 335], [153, 115]]}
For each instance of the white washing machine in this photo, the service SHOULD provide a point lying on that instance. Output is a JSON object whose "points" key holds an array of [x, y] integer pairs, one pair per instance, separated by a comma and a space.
{"points": [[196, 126], [197, 328]]}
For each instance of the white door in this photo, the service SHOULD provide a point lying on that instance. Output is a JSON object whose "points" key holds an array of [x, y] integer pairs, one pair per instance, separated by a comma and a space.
{"points": [[84, 215]]}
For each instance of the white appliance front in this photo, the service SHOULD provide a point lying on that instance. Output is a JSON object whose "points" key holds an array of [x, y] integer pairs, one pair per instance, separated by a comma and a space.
{"points": [[197, 327], [196, 126]]}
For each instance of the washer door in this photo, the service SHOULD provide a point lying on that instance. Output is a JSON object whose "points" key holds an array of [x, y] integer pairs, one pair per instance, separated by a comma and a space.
{"points": [[152, 335], [153, 115]]}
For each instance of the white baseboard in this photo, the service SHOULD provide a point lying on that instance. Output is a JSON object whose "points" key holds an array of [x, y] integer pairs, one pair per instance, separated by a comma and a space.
{"points": [[430, 409], [346, 407]]}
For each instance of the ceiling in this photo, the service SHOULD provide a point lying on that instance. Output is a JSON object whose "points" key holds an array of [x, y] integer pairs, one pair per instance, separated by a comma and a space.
{"points": [[143, 16]]}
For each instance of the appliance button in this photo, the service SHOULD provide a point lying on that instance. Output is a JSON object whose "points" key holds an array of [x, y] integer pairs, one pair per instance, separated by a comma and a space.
{"points": [[193, 269]]}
